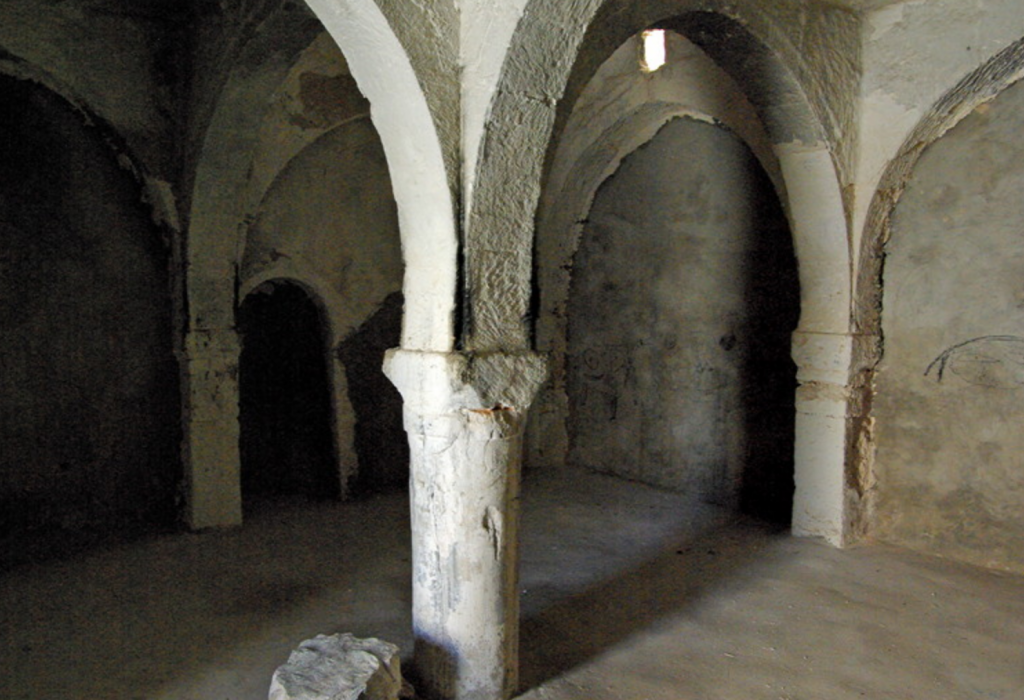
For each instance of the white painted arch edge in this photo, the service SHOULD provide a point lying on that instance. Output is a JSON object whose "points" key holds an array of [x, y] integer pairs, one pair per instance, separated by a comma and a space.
{"points": [[401, 116]]}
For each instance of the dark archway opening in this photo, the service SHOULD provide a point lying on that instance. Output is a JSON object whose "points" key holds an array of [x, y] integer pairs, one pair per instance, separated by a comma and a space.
{"points": [[89, 401], [286, 437], [771, 298]]}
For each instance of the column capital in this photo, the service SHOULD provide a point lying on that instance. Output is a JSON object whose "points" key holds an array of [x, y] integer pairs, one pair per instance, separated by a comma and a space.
{"points": [[438, 383], [832, 358]]}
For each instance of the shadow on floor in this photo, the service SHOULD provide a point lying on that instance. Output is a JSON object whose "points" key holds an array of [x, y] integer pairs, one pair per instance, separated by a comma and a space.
{"points": [[575, 629]]}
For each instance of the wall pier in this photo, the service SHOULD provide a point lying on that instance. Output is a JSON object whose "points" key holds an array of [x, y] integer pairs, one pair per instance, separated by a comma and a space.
{"points": [[465, 416], [831, 400], [210, 441]]}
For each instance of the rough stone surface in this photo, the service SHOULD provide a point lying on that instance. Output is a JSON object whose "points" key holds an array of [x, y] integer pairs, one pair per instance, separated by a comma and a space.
{"points": [[339, 667]]}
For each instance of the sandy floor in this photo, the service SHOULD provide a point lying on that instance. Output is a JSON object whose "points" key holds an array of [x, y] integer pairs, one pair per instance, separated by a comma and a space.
{"points": [[628, 593]]}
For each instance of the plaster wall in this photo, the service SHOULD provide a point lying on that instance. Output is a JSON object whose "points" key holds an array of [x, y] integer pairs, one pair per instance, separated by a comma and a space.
{"points": [[317, 95], [89, 418], [689, 80], [329, 222], [948, 389], [683, 298], [914, 53]]}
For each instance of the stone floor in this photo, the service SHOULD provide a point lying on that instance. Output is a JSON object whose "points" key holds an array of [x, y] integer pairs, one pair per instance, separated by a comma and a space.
{"points": [[628, 593]]}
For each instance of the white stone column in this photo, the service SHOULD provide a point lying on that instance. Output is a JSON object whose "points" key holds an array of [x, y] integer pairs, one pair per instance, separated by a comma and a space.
{"points": [[210, 440], [830, 405], [465, 416]]}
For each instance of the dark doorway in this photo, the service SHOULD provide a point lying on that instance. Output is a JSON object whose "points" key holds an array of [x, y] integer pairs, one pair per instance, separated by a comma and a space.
{"points": [[286, 440]]}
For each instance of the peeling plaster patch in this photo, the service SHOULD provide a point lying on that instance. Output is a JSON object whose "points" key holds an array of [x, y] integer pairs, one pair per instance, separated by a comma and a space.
{"points": [[159, 194], [882, 21], [888, 121]]}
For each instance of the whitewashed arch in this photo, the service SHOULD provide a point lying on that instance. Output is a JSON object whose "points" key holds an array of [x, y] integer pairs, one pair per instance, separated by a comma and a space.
{"points": [[401, 115], [217, 203], [526, 108]]}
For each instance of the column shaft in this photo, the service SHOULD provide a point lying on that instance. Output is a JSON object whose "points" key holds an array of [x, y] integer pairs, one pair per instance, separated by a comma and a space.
{"points": [[465, 418]]}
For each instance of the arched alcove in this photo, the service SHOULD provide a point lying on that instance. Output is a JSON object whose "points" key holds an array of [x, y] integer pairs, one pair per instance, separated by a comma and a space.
{"points": [[89, 412], [949, 383], [329, 220], [683, 298], [285, 437], [754, 48]]}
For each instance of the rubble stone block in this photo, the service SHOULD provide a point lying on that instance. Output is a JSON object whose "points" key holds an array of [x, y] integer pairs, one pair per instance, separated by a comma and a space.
{"points": [[339, 667]]}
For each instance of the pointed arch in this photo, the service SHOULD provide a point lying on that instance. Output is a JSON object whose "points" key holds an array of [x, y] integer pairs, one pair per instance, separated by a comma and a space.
{"points": [[539, 85], [220, 194], [402, 117], [980, 86], [540, 82]]}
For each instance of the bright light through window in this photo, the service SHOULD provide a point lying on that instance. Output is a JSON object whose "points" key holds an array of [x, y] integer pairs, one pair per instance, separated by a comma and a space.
{"points": [[654, 49]]}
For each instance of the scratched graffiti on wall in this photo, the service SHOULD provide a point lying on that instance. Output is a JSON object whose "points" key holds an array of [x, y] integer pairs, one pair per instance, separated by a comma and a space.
{"points": [[993, 361], [607, 375]]}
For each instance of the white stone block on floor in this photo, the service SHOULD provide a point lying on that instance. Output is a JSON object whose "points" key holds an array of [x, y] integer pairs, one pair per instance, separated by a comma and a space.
{"points": [[339, 667]]}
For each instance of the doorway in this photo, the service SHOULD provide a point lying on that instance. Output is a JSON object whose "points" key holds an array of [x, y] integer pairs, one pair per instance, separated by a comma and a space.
{"points": [[286, 440]]}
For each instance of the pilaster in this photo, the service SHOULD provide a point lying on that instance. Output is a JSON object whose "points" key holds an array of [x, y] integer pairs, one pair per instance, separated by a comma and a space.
{"points": [[831, 405], [210, 440]]}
